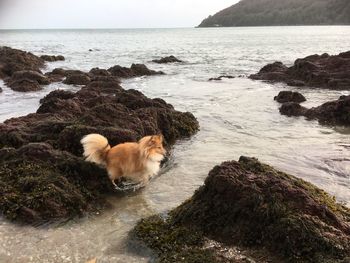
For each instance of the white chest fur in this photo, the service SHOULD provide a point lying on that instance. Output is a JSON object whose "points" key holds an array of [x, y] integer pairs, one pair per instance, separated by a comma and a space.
{"points": [[153, 164]]}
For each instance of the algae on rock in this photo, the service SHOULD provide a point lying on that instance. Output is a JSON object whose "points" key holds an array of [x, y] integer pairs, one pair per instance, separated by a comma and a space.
{"points": [[254, 205]]}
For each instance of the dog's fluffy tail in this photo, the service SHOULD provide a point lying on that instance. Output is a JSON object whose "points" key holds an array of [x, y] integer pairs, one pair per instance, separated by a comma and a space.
{"points": [[96, 148]]}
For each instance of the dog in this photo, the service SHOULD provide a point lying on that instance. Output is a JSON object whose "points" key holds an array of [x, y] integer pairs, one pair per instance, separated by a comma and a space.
{"points": [[136, 161]]}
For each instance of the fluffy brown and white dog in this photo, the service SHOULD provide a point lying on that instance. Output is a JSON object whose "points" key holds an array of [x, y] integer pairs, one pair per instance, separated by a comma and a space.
{"points": [[136, 161]]}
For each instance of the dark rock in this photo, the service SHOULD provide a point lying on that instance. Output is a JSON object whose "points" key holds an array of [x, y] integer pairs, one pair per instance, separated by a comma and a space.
{"points": [[27, 80], [296, 83], [222, 77], [99, 72], [55, 77], [292, 109], [43, 176], [331, 113], [39, 183], [12, 60], [136, 70], [323, 71], [25, 85], [142, 70], [52, 58], [169, 59], [31, 75], [290, 96], [254, 205], [0, 89], [77, 79]]}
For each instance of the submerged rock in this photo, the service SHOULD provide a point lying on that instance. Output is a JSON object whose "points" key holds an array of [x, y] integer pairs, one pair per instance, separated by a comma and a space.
{"points": [[289, 96], [222, 77], [251, 204], [136, 70], [42, 173], [169, 59], [322, 71], [330, 113], [52, 58], [12, 60]]}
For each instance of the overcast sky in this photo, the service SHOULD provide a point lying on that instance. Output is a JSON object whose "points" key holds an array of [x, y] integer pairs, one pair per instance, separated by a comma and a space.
{"points": [[23, 14]]}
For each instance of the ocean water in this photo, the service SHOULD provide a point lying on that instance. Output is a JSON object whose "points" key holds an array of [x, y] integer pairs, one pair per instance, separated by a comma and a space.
{"points": [[237, 117]]}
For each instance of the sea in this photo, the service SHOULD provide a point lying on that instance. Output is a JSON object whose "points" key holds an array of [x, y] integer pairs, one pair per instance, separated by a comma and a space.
{"points": [[237, 117]]}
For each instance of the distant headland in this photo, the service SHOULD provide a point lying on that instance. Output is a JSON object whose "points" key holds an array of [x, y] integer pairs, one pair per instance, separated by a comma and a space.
{"points": [[281, 13]]}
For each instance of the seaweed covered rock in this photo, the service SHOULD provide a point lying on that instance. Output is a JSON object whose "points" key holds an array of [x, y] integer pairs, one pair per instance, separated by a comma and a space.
{"points": [[39, 183], [77, 79], [27, 80], [136, 70], [51, 140], [330, 113], [322, 71], [165, 60], [52, 58], [289, 96], [12, 60], [254, 205]]}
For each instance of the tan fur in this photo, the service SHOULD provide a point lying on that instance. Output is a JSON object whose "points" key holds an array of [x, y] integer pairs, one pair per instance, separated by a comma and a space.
{"points": [[135, 161]]}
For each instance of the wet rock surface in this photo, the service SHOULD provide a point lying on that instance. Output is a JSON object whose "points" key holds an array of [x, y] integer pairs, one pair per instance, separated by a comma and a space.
{"points": [[165, 60], [289, 96], [77, 79], [251, 204], [136, 70], [222, 77], [27, 80], [52, 58], [330, 113], [51, 180], [323, 71], [12, 60]]}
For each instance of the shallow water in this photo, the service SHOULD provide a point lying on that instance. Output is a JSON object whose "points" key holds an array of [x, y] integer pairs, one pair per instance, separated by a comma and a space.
{"points": [[237, 117]]}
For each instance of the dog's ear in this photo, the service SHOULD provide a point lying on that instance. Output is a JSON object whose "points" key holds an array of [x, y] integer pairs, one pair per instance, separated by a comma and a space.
{"points": [[152, 140], [161, 137]]}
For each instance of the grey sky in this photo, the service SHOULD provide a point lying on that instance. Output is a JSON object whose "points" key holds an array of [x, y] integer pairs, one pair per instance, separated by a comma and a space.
{"points": [[25, 14]]}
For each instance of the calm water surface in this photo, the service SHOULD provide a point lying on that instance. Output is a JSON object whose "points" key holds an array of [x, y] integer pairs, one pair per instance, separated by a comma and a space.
{"points": [[237, 117]]}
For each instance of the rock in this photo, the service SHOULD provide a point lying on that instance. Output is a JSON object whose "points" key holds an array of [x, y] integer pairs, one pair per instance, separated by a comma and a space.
{"points": [[77, 79], [136, 70], [42, 173], [31, 75], [289, 96], [27, 80], [99, 72], [0, 89], [12, 60], [52, 58], [296, 83], [169, 59], [222, 77], [142, 70], [39, 183], [251, 204], [292, 109], [57, 75], [331, 113], [324, 71], [25, 85]]}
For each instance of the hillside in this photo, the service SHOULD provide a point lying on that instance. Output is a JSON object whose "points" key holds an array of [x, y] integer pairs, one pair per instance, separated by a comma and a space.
{"points": [[281, 12]]}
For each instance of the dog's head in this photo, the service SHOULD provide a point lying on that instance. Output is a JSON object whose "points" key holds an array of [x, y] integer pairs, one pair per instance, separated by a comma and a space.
{"points": [[153, 147]]}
